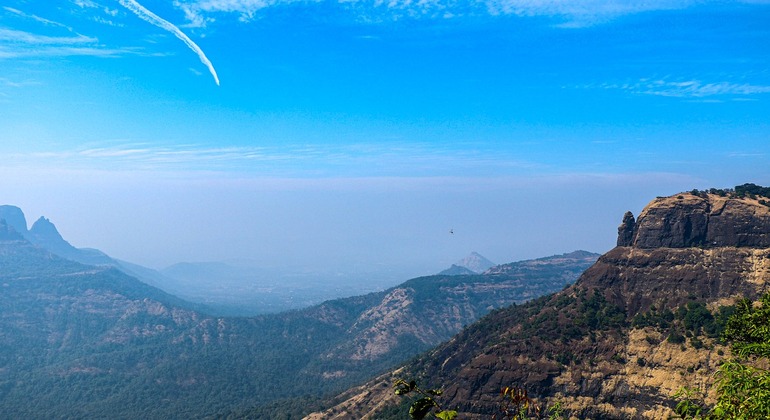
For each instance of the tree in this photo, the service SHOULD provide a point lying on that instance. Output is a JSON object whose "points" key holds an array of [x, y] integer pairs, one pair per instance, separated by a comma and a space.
{"points": [[743, 383], [743, 386]]}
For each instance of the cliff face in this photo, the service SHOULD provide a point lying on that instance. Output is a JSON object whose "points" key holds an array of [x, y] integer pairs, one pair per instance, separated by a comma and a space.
{"points": [[580, 347], [707, 221]]}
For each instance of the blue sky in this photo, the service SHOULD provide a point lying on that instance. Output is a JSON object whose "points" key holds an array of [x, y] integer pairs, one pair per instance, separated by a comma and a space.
{"points": [[360, 132]]}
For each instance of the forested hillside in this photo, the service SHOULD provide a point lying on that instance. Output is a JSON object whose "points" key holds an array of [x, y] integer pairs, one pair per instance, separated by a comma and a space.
{"points": [[83, 341]]}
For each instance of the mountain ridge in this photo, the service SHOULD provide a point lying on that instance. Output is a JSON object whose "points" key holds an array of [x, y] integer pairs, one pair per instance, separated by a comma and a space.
{"points": [[583, 347], [91, 341]]}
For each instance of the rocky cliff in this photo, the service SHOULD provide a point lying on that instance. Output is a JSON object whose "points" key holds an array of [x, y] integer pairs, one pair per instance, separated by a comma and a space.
{"points": [[621, 341], [702, 220]]}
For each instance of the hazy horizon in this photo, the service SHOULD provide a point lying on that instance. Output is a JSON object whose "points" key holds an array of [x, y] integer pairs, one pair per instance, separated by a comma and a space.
{"points": [[350, 135]]}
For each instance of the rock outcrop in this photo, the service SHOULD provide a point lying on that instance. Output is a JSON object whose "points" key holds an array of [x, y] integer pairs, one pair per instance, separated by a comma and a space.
{"points": [[14, 217], [626, 230], [704, 221]]}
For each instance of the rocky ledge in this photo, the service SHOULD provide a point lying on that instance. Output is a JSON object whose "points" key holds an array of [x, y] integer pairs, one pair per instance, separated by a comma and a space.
{"points": [[698, 220]]}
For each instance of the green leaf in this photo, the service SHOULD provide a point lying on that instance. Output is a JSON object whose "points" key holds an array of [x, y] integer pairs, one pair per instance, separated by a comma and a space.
{"points": [[403, 388], [421, 408], [446, 415]]}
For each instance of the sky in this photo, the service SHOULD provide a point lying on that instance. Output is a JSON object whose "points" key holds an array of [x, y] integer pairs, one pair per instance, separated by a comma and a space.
{"points": [[355, 134]]}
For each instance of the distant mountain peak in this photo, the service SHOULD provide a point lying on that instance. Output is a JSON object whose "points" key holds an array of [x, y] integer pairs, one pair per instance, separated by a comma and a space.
{"points": [[475, 262], [15, 218], [45, 229], [45, 234]]}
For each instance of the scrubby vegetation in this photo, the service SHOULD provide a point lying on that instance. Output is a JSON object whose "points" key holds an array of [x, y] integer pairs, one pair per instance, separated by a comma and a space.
{"points": [[743, 382], [515, 404], [749, 190], [690, 321]]}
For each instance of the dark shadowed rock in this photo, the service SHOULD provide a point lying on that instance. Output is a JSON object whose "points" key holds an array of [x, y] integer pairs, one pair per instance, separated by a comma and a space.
{"points": [[626, 230]]}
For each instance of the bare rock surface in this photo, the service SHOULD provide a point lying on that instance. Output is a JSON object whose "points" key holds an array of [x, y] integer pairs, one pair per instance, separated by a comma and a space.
{"points": [[707, 220]]}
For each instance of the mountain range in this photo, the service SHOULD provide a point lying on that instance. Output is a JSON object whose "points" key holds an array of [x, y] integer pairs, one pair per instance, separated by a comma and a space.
{"points": [[640, 324], [217, 288], [80, 340]]}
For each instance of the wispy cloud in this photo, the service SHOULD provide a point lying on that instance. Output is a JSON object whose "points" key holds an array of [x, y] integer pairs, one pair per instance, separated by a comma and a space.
{"points": [[21, 44], [156, 20], [15, 84], [283, 160], [579, 13], [568, 13], [21, 37], [36, 18], [689, 88]]}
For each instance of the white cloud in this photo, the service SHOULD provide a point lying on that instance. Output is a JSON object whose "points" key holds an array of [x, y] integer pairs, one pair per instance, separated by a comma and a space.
{"points": [[6, 53], [15, 84], [582, 12], [689, 88], [36, 18], [21, 37], [571, 13], [302, 160], [21, 44]]}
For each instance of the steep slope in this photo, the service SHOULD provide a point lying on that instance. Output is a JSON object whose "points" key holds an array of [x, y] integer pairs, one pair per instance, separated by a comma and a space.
{"points": [[615, 344], [425, 311], [90, 341]]}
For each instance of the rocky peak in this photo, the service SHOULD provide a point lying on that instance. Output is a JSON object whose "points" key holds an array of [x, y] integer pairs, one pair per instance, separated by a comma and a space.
{"points": [[14, 217], [626, 230], [43, 228], [475, 262], [43, 233], [698, 220]]}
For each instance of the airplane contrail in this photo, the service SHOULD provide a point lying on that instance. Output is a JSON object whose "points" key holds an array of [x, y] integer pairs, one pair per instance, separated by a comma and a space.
{"points": [[156, 20]]}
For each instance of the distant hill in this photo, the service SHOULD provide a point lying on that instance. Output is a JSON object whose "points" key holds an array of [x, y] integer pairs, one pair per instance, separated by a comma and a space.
{"points": [[474, 263], [44, 234], [636, 327], [82, 341], [456, 270]]}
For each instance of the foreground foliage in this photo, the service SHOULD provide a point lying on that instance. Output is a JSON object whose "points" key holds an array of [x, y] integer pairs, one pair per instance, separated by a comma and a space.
{"points": [[426, 402], [743, 382], [515, 404]]}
